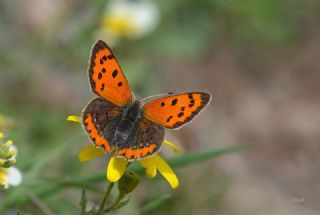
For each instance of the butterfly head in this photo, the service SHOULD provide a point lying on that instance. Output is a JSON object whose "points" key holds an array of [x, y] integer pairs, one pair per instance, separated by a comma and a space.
{"points": [[133, 112]]}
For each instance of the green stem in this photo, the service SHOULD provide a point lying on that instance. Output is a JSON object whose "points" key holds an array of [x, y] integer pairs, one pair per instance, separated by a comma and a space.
{"points": [[83, 203], [115, 204], [105, 198]]}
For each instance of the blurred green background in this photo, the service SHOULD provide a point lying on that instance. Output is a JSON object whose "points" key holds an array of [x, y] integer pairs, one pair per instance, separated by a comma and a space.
{"points": [[258, 58]]}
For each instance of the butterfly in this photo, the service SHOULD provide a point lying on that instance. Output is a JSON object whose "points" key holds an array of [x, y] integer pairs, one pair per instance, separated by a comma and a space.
{"points": [[117, 121]]}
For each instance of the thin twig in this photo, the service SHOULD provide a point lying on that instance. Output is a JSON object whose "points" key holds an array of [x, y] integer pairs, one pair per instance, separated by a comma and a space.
{"points": [[105, 198], [83, 203], [44, 208], [115, 204]]}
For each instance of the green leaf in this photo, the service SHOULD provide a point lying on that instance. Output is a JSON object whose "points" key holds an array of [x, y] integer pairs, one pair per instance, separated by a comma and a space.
{"points": [[154, 203], [176, 161], [195, 157]]}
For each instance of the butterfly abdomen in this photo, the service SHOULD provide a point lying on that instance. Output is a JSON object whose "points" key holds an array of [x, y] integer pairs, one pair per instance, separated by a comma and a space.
{"points": [[127, 125]]}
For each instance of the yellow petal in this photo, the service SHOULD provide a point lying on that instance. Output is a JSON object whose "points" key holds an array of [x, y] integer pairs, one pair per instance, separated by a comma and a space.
{"points": [[116, 168], [3, 173], [74, 119], [3, 183], [174, 147], [165, 171], [151, 170], [89, 152], [1, 135]]}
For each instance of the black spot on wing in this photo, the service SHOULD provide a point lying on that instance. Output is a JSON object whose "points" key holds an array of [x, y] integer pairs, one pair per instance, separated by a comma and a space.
{"points": [[180, 114], [115, 73], [99, 75], [174, 102], [204, 101], [169, 118]]}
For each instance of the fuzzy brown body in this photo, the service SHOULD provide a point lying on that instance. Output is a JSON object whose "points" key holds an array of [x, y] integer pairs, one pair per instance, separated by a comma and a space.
{"points": [[128, 123]]}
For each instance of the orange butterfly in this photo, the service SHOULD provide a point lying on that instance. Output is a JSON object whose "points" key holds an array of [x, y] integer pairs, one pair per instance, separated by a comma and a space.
{"points": [[116, 119]]}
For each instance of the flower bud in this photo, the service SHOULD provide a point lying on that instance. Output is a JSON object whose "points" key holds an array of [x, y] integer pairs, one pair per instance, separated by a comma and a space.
{"points": [[8, 155], [128, 182], [8, 144], [7, 163], [3, 184]]}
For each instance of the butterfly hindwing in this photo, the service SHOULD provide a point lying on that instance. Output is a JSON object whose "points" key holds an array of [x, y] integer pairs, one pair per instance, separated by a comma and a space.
{"points": [[175, 110], [144, 142], [106, 77], [99, 118]]}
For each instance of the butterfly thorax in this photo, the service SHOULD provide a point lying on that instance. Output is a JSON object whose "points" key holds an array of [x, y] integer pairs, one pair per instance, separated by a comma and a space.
{"points": [[131, 116]]}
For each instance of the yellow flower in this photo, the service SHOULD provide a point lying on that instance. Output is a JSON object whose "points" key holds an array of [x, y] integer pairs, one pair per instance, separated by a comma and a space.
{"points": [[9, 175], [117, 165]]}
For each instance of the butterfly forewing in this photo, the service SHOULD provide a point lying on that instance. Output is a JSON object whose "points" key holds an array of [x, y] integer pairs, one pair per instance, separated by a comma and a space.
{"points": [[175, 110], [106, 77]]}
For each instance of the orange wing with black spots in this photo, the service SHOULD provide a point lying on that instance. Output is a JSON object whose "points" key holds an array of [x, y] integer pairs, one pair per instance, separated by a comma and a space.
{"points": [[146, 141], [175, 110], [93, 131], [99, 119], [106, 77]]}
